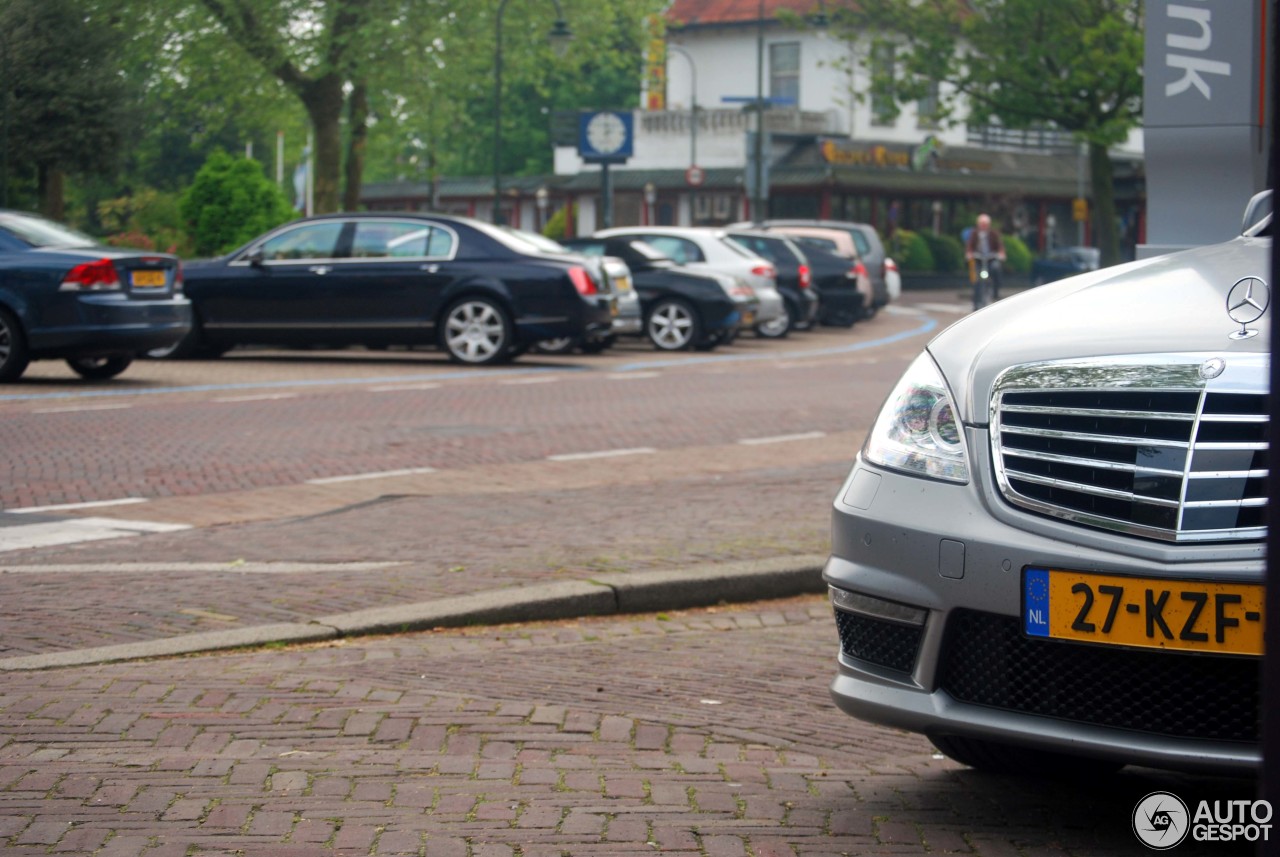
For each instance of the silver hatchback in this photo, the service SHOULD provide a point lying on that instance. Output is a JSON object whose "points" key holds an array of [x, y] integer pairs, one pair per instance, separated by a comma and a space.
{"points": [[1048, 555]]}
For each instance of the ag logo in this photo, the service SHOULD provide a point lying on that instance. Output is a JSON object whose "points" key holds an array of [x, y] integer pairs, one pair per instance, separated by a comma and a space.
{"points": [[1161, 821]]}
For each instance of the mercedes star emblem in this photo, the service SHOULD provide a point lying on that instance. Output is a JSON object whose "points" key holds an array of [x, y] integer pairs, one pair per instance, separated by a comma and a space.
{"points": [[1246, 303]]}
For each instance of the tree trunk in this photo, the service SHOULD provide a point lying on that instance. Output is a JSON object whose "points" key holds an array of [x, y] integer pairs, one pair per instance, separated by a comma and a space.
{"points": [[324, 101], [1106, 232], [358, 128], [50, 186]]}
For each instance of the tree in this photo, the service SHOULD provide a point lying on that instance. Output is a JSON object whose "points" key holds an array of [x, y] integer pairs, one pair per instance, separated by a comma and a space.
{"points": [[320, 50], [1074, 63], [65, 93], [231, 202]]}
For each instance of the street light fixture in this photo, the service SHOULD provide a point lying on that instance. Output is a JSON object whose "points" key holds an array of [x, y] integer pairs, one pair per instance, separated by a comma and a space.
{"points": [[559, 37]]}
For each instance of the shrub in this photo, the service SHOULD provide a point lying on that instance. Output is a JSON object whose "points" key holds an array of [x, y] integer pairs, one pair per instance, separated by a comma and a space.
{"points": [[147, 220], [910, 251], [557, 227], [1017, 255], [230, 202], [948, 252]]}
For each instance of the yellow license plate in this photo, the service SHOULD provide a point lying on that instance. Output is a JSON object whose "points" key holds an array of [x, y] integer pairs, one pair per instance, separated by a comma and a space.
{"points": [[748, 319], [148, 279], [623, 284], [1140, 612]]}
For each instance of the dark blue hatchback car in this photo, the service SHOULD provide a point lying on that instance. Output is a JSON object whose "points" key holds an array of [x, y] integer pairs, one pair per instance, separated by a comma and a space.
{"points": [[64, 296]]}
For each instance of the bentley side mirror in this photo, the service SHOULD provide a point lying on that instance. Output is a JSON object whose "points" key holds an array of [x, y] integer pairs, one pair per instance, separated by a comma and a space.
{"points": [[254, 256]]}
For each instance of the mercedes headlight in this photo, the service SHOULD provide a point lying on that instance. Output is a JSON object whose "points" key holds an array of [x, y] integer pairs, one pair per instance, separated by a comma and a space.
{"points": [[918, 429]]}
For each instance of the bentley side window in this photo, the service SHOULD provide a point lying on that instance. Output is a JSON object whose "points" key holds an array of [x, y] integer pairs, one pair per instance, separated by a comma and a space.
{"points": [[309, 241]]}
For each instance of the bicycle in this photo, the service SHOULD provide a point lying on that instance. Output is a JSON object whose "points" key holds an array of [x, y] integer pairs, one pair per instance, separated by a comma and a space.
{"points": [[984, 274]]}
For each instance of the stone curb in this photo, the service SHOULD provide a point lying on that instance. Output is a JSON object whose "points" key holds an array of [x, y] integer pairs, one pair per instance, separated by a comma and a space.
{"points": [[631, 592]]}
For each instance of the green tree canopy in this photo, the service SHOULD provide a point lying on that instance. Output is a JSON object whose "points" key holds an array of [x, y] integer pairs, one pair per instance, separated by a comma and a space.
{"points": [[65, 93], [1076, 64]]}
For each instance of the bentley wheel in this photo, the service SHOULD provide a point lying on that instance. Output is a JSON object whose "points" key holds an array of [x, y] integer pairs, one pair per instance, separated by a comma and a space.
{"points": [[476, 331]]}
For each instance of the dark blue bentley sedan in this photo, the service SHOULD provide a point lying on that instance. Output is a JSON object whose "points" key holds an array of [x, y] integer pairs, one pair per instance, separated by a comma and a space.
{"points": [[480, 294], [64, 296]]}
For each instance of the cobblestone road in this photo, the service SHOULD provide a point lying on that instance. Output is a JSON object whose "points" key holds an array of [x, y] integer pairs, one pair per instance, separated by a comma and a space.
{"points": [[702, 733]]}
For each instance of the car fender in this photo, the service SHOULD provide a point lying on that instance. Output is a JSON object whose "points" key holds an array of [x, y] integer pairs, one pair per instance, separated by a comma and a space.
{"points": [[16, 303], [476, 285]]}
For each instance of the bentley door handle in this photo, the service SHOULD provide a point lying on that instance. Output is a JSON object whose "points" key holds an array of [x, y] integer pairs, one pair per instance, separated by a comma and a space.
{"points": [[320, 269]]}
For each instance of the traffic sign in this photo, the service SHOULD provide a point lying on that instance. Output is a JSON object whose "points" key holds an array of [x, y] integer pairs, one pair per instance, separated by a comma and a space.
{"points": [[695, 176]]}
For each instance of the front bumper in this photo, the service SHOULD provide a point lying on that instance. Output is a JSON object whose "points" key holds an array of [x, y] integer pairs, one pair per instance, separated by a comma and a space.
{"points": [[957, 551]]}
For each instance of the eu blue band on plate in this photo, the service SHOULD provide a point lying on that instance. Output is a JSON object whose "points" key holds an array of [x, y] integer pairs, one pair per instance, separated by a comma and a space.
{"points": [[1035, 600]]}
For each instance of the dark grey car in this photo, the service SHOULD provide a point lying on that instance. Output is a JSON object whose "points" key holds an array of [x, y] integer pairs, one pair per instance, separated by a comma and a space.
{"points": [[870, 250], [1048, 555]]}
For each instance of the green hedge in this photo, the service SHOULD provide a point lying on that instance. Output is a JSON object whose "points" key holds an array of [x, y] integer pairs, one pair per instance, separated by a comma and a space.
{"points": [[1017, 255], [948, 252], [910, 251]]}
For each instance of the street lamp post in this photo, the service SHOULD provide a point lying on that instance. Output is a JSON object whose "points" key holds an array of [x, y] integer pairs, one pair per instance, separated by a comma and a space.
{"points": [[540, 197], [559, 37], [650, 197], [757, 201], [693, 120]]}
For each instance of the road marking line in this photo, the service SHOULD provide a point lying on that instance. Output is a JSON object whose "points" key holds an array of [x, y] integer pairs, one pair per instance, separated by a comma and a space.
{"points": [[92, 504], [261, 398], [607, 453], [396, 388], [197, 567], [782, 438], [536, 380], [82, 408], [630, 376], [50, 534], [354, 477]]}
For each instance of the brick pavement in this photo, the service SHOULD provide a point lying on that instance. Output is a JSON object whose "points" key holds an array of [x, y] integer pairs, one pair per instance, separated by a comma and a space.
{"points": [[702, 732]]}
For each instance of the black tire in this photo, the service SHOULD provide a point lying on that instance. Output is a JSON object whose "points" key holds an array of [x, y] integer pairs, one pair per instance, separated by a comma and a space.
{"points": [[673, 325], [596, 346], [14, 356], [998, 758], [100, 368], [779, 327], [562, 345], [192, 346], [475, 330]]}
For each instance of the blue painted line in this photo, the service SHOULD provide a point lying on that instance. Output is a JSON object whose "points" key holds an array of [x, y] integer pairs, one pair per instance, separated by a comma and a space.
{"points": [[926, 326]]}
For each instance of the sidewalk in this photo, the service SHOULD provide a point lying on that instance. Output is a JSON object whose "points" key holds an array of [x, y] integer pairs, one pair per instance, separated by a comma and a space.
{"points": [[637, 592]]}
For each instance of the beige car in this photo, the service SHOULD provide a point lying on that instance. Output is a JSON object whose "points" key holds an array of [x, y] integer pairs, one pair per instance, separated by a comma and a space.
{"points": [[833, 241]]}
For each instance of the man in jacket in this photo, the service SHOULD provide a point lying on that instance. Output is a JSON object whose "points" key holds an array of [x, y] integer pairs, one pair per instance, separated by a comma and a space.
{"points": [[984, 242]]}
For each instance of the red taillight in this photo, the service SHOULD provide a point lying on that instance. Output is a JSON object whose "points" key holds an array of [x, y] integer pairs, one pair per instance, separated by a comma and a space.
{"points": [[765, 271], [91, 276], [806, 279], [859, 269], [177, 277], [582, 281]]}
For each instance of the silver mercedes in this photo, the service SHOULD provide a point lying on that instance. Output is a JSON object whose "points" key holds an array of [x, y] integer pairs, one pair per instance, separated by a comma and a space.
{"points": [[1048, 556]]}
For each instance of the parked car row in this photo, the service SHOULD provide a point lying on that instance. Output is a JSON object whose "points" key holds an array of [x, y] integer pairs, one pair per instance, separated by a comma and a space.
{"points": [[483, 294]]}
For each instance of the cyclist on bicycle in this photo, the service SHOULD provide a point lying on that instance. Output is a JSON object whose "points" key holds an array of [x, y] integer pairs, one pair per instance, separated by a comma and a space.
{"points": [[985, 245]]}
